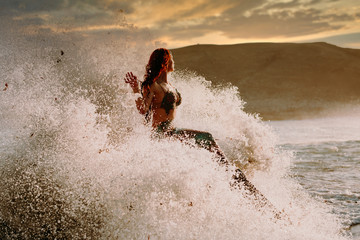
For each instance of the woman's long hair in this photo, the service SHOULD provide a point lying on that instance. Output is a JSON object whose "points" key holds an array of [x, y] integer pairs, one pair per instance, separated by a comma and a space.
{"points": [[158, 63]]}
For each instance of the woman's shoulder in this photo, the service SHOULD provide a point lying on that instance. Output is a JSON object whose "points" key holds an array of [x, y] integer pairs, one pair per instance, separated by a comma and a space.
{"points": [[155, 87]]}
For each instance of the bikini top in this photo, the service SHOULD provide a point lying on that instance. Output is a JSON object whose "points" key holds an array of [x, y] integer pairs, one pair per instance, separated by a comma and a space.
{"points": [[169, 101]]}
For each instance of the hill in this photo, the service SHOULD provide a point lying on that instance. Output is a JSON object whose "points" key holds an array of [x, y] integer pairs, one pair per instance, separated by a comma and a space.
{"points": [[280, 80]]}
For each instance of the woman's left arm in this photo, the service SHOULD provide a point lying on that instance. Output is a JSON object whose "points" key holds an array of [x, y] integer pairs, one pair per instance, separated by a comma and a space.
{"points": [[131, 79], [143, 103]]}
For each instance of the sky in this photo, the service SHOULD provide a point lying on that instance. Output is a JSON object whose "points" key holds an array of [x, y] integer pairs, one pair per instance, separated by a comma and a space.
{"points": [[188, 22]]}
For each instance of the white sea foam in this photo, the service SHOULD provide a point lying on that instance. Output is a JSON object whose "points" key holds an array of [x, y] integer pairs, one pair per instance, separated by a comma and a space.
{"points": [[78, 161], [339, 128]]}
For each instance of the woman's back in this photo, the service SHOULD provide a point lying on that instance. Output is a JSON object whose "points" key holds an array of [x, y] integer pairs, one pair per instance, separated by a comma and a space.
{"points": [[164, 102]]}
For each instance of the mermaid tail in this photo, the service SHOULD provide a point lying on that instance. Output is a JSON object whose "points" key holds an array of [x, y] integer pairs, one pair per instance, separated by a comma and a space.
{"points": [[239, 180]]}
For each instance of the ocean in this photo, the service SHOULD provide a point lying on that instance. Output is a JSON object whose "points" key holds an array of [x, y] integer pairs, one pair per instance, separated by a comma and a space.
{"points": [[326, 160], [77, 161]]}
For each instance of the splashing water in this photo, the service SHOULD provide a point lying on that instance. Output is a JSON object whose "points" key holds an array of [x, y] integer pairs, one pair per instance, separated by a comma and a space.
{"points": [[77, 160]]}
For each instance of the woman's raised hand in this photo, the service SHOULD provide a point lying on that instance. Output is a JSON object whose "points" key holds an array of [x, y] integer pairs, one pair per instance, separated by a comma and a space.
{"points": [[133, 81]]}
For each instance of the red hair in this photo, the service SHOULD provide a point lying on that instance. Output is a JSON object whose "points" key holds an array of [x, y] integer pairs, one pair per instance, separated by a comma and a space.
{"points": [[158, 63]]}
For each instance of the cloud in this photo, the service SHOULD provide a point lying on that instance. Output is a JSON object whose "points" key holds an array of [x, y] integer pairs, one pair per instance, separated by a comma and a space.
{"points": [[57, 15], [187, 19], [261, 19], [27, 6], [21, 6]]}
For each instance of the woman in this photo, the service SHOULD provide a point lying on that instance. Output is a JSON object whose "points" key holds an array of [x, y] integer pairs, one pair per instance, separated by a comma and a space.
{"points": [[158, 96], [159, 100]]}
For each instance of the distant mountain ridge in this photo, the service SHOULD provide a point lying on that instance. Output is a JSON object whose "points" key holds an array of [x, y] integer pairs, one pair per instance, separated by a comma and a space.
{"points": [[280, 80]]}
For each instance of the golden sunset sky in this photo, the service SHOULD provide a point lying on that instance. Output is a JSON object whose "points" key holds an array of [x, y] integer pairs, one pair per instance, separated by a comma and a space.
{"points": [[189, 22]]}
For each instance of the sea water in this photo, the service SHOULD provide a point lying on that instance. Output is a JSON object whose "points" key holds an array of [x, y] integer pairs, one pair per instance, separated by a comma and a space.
{"points": [[77, 161], [326, 160]]}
